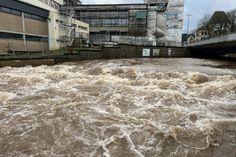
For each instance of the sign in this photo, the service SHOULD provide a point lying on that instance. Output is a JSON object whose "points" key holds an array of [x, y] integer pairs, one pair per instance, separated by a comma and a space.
{"points": [[146, 53], [156, 52], [169, 52], [172, 16]]}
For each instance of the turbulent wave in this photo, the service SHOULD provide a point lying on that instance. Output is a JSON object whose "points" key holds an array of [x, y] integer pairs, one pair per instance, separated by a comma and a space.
{"points": [[116, 108]]}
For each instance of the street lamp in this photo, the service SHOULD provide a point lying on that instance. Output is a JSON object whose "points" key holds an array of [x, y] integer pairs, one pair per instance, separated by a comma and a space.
{"points": [[156, 24], [188, 15]]}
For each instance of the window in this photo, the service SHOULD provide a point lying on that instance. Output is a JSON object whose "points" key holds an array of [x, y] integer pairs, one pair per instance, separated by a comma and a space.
{"points": [[95, 22], [103, 14], [84, 14], [36, 38], [6, 10], [93, 14], [123, 14], [113, 14], [10, 11], [27, 15], [35, 17], [15, 12], [4, 35], [124, 22], [38, 18], [106, 22]]}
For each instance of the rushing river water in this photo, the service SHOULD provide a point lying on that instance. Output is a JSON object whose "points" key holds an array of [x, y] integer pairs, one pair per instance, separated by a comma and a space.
{"points": [[119, 108]]}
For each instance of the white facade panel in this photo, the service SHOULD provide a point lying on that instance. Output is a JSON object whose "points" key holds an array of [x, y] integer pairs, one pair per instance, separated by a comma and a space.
{"points": [[166, 26]]}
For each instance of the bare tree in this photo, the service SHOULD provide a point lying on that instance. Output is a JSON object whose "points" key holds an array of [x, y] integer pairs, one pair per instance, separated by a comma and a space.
{"points": [[203, 22], [232, 18]]}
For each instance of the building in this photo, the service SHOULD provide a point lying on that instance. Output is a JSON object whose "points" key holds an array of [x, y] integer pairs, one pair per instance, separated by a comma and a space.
{"points": [[149, 22], [113, 20], [200, 34], [218, 24], [38, 25]]}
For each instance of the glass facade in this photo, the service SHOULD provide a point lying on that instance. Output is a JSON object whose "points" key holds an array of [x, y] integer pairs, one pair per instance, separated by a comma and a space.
{"points": [[114, 20], [106, 18], [134, 20]]}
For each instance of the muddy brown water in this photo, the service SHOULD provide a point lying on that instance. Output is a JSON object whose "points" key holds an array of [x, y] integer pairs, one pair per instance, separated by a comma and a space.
{"points": [[119, 108]]}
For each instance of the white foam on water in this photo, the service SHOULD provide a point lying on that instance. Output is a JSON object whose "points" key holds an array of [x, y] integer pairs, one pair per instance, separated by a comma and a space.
{"points": [[113, 108]]}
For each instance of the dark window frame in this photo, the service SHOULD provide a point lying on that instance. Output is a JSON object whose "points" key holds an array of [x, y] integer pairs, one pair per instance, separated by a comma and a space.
{"points": [[35, 17], [5, 35], [36, 38], [10, 11], [5, 10], [15, 12]]}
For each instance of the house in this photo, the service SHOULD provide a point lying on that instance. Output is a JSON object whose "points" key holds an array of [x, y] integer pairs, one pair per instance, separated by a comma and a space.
{"points": [[219, 24], [200, 34]]}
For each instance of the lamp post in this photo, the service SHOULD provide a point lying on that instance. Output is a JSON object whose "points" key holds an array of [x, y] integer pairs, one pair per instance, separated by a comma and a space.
{"points": [[156, 24], [188, 15]]}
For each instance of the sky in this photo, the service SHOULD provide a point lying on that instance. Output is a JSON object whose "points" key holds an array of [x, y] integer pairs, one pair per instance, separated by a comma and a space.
{"points": [[195, 8]]}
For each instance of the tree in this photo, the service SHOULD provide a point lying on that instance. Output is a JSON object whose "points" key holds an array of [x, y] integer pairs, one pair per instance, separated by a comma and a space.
{"points": [[232, 18], [203, 22]]}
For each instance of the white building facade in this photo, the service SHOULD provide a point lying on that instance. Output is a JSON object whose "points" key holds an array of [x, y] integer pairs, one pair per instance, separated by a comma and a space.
{"points": [[165, 26], [61, 27]]}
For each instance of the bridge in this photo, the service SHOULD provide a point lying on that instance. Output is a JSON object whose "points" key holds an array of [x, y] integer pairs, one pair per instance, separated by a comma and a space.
{"points": [[213, 47]]}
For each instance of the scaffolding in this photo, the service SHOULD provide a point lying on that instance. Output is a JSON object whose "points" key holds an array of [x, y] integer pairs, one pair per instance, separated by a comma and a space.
{"points": [[68, 34], [68, 28], [149, 19]]}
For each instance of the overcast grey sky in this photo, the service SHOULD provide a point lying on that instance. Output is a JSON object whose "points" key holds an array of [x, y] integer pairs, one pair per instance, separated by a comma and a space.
{"points": [[196, 8]]}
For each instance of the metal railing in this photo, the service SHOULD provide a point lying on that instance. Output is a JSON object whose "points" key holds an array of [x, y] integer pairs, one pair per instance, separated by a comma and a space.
{"points": [[144, 41]]}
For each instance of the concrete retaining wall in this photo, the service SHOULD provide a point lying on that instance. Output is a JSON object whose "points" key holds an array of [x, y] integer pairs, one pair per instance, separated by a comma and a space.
{"points": [[18, 45], [126, 51]]}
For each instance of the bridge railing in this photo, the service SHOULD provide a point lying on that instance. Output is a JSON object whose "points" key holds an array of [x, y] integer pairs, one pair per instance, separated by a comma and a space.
{"points": [[218, 39], [144, 41]]}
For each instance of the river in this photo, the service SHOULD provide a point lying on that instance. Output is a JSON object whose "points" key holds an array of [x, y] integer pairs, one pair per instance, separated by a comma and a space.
{"points": [[119, 108]]}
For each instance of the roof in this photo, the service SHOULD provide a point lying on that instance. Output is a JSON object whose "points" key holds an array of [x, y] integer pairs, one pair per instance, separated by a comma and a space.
{"points": [[219, 17]]}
